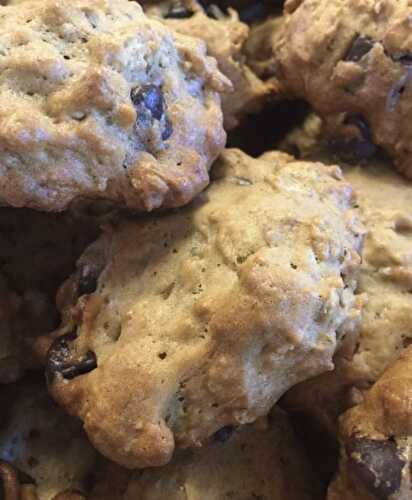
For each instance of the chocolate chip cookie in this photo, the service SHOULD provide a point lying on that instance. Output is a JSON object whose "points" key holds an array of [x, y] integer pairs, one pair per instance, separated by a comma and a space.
{"points": [[352, 61], [184, 324], [263, 460], [99, 102], [385, 201], [376, 438], [225, 37]]}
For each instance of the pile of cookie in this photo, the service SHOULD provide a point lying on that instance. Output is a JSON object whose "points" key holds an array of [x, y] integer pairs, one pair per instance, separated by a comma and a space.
{"points": [[205, 250]]}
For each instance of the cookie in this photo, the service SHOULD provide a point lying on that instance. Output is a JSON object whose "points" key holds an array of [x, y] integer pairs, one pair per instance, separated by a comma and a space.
{"points": [[376, 438], [385, 201], [99, 102], [37, 252], [225, 37], [41, 448], [258, 461], [191, 322], [351, 60]]}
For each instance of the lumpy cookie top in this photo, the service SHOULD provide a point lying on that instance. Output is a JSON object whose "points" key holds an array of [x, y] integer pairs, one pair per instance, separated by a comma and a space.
{"points": [[98, 101], [188, 323], [352, 61]]}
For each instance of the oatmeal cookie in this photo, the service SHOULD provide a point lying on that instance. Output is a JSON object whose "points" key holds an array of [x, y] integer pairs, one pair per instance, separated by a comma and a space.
{"points": [[376, 438], [97, 101], [42, 449], [385, 207], [184, 324], [264, 460], [225, 37], [352, 61]]}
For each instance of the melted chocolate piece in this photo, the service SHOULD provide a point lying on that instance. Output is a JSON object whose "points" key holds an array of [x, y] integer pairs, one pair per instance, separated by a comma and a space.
{"points": [[357, 147], [359, 48], [168, 129], [152, 99], [223, 434], [60, 360], [87, 284], [377, 464]]}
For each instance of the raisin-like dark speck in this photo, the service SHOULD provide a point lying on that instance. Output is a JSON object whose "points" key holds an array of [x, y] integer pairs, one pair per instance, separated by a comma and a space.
{"points": [[360, 46], [151, 97], [223, 434], [377, 464], [168, 129]]}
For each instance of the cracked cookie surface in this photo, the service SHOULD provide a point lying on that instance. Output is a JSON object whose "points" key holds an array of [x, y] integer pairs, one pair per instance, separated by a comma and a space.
{"points": [[98, 101], [352, 61], [198, 320]]}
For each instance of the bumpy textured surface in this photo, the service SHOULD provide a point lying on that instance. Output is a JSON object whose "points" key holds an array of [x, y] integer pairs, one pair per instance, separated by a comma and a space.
{"points": [[37, 252], [46, 448], [376, 437], [385, 201], [259, 461], [352, 60], [98, 101], [204, 318], [225, 36]]}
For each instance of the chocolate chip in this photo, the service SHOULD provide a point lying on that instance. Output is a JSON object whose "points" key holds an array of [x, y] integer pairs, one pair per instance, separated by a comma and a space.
{"points": [[60, 360], [377, 464], [358, 146], [359, 47], [168, 129], [223, 434], [178, 11], [151, 97], [87, 284]]}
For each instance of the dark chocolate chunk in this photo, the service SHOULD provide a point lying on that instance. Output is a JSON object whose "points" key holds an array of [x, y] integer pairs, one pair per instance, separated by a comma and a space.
{"points": [[356, 147], [87, 284], [151, 97], [359, 47], [223, 434], [178, 11], [60, 359], [406, 60], [168, 129], [377, 464]]}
